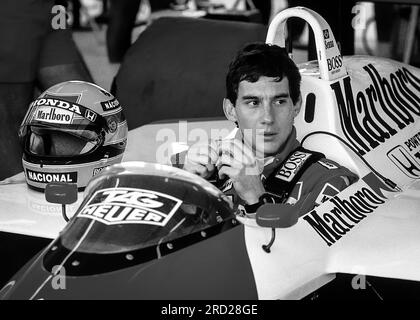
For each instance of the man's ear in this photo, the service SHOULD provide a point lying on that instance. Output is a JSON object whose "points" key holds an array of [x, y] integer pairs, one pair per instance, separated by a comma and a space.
{"points": [[297, 106], [229, 110]]}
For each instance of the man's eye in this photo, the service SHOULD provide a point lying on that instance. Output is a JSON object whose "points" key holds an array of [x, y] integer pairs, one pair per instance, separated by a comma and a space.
{"points": [[252, 103], [280, 101]]}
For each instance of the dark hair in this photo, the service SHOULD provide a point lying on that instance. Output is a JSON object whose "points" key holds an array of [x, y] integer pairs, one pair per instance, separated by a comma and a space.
{"points": [[260, 59]]}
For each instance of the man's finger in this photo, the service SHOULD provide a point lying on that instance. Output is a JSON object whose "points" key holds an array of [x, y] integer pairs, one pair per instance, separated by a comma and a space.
{"points": [[197, 152], [229, 161], [210, 167], [213, 145], [235, 151], [245, 149], [200, 159], [200, 170], [228, 171]]}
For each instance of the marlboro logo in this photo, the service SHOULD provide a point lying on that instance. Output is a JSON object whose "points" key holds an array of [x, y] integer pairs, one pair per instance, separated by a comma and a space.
{"points": [[53, 115]]}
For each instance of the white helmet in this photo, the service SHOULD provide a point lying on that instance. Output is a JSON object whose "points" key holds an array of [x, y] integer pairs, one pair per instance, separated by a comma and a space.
{"points": [[70, 133]]}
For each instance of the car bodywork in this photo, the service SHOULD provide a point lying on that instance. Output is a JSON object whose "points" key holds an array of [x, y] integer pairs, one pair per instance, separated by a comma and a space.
{"points": [[370, 228]]}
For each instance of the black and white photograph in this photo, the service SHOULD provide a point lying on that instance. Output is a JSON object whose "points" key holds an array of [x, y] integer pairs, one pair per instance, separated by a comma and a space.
{"points": [[205, 157]]}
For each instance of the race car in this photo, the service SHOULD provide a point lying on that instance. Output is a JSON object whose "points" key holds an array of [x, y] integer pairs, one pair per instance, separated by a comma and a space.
{"points": [[150, 231]]}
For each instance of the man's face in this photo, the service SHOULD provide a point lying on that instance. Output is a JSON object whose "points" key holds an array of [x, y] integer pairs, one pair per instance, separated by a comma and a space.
{"points": [[264, 111]]}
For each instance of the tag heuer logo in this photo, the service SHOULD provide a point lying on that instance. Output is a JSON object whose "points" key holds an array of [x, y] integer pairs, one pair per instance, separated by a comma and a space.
{"points": [[130, 206]]}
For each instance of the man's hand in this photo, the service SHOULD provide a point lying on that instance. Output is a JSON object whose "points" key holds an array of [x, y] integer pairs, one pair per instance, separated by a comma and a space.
{"points": [[201, 159], [237, 161]]}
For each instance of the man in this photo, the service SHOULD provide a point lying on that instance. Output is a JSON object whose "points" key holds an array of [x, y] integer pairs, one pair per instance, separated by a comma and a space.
{"points": [[33, 55], [263, 98]]}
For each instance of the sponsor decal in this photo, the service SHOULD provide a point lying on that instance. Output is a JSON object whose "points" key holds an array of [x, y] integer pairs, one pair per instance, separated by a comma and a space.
{"points": [[46, 177], [53, 115], [98, 170], [327, 192], [112, 124], [334, 63], [327, 164], [289, 169], [414, 143], [373, 115], [66, 105], [130, 206], [404, 161], [50, 102], [90, 115], [328, 43], [110, 105], [347, 212]]}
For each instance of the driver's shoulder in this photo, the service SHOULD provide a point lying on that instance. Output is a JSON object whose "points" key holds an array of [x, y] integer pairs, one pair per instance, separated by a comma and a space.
{"points": [[328, 171]]}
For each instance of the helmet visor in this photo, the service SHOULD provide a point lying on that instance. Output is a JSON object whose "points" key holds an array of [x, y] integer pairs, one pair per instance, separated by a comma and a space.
{"points": [[52, 142], [56, 132]]}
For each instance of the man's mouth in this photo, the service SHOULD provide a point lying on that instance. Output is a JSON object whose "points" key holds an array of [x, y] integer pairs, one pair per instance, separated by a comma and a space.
{"points": [[268, 134]]}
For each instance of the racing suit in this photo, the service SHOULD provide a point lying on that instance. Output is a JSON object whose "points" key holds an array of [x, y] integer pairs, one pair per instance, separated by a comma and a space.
{"points": [[289, 180], [295, 176]]}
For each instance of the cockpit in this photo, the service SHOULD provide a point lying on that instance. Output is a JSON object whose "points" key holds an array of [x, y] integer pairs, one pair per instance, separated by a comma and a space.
{"points": [[136, 212]]}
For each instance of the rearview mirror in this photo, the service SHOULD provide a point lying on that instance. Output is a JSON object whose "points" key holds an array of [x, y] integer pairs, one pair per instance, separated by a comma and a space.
{"points": [[277, 215], [61, 193]]}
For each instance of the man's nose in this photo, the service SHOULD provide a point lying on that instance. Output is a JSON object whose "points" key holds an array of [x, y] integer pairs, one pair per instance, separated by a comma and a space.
{"points": [[268, 116]]}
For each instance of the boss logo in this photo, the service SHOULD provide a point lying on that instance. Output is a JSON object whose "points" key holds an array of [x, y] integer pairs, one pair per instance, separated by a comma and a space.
{"points": [[292, 165], [130, 206], [334, 63]]}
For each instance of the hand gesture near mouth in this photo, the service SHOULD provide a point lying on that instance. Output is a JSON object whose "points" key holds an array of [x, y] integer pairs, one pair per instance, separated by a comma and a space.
{"points": [[201, 159], [237, 161]]}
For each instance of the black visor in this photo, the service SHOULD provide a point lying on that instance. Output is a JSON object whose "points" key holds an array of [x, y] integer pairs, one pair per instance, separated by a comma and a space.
{"points": [[54, 132]]}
